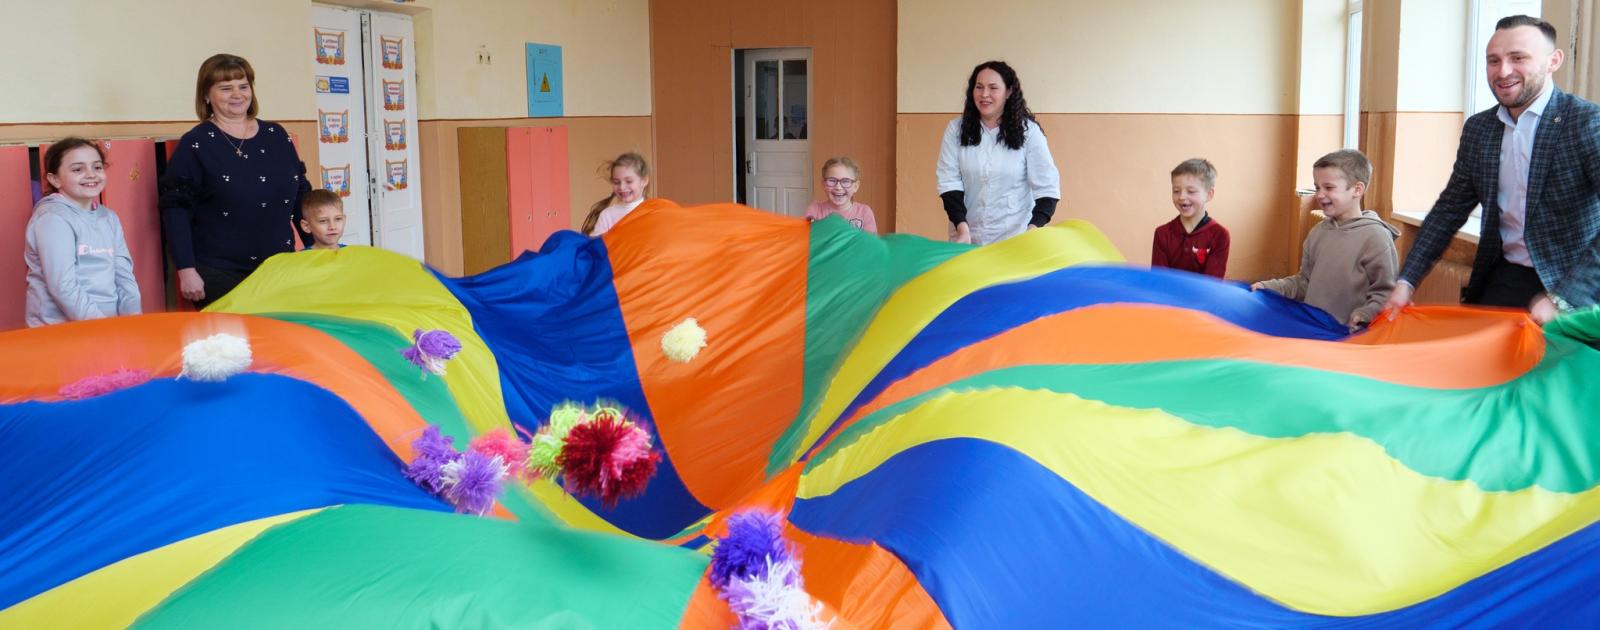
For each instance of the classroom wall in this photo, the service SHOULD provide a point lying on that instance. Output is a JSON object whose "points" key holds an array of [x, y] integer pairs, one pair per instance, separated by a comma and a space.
{"points": [[605, 48], [605, 52], [149, 74], [607, 101], [1145, 56], [591, 140], [1320, 89], [1125, 91], [853, 97], [1414, 83]]}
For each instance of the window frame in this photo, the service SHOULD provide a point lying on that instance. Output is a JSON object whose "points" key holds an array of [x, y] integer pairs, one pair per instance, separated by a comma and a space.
{"points": [[1352, 73]]}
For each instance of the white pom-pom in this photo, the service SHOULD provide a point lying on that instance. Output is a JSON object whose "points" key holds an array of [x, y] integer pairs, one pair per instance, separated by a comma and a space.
{"points": [[776, 600], [683, 341], [216, 358]]}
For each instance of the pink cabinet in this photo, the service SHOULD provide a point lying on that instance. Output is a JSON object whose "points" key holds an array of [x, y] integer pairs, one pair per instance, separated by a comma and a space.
{"points": [[16, 205], [131, 191]]}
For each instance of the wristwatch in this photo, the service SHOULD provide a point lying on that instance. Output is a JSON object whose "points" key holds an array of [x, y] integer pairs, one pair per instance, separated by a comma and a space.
{"points": [[1561, 304]]}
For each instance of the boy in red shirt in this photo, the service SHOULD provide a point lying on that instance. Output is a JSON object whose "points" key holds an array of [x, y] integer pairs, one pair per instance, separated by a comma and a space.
{"points": [[1192, 241]]}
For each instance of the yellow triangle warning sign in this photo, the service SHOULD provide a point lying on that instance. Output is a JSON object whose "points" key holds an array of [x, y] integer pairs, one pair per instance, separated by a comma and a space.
{"points": [[544, 83]]}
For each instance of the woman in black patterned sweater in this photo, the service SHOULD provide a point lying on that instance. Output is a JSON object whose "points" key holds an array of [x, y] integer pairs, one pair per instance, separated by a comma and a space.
{"points": [[231, 193]]}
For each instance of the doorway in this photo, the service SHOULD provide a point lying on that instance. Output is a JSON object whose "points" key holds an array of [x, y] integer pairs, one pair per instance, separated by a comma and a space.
{"points": [[366, 84], [772, 107]]}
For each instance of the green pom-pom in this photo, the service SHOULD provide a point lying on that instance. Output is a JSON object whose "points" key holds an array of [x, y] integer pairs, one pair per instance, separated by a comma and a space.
{"points": [[564, 417], [544, 454]]}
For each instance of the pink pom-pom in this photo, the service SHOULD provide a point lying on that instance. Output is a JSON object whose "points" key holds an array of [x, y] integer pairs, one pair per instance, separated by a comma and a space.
{"points": [[512, 451], [102, 384], [634, 446]]}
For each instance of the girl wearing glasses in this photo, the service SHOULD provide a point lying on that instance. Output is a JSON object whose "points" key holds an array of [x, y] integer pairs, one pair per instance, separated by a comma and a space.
{"points": [[840, 179]]}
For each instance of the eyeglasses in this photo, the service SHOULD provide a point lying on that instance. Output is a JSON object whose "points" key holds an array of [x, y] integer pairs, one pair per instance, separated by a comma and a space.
{"points": [[833, 182]]}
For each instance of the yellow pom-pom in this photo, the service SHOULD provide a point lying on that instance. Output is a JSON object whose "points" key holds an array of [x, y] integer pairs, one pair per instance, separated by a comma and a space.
{"points": [[683, 341]]}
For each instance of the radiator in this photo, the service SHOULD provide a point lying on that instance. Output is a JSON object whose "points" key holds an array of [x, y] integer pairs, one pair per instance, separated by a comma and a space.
{"points": [[1444, 284]]}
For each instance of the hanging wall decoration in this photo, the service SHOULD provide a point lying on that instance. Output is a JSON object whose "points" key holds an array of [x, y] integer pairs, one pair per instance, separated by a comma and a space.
{"points": [[330, 46]]}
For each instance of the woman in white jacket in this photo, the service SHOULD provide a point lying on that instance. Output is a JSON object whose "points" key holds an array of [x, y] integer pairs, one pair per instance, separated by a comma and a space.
{"points": [[996, 175]]}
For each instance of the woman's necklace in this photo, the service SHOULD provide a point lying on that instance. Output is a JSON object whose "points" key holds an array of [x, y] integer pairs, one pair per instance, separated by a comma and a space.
{"points": [[238, 149]]}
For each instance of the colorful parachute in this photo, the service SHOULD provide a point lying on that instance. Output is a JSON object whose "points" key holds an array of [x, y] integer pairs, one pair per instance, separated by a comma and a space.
{"points": [[1029, 434]]}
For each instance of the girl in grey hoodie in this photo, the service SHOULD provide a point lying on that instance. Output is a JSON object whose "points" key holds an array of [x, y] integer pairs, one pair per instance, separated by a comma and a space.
{"points": [[78, 262]]}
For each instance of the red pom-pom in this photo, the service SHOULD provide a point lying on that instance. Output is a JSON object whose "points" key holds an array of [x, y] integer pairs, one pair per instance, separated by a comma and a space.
{"points": [[609, 458]]}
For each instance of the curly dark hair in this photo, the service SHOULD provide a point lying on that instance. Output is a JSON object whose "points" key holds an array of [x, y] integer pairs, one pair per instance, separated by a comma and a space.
{"points": [[1012, 117]]}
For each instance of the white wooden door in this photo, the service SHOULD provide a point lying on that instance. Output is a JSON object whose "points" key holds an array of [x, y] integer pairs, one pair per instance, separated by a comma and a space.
{"points": [[777, 134], [342, 117], [391, 147]]}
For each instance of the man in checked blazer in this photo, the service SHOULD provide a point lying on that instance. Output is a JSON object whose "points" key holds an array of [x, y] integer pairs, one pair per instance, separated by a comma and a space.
{"points": [[1533, 162]]}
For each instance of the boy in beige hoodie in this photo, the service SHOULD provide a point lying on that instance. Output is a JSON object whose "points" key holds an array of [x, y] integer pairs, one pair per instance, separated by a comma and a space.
{"points": [[1349, 262]]}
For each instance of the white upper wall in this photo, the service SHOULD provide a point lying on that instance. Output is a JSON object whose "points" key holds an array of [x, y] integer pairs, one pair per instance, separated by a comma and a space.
{"points": [[97, 61], [1322, 56], [89, 61], [605, 56], [1106, 56], [1433, 56]]}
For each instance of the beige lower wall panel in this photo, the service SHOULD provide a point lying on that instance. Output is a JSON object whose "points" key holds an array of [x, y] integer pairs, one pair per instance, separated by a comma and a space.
{"points": [[1319, 136], [1424, 152], [590, 142], [1115, 173], [1411, 153]]}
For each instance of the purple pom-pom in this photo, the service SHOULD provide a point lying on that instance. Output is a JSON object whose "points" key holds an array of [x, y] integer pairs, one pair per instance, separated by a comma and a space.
{"points": [[476, 481], [755, 539], [437, 343], [430, 349], [434, 450]]}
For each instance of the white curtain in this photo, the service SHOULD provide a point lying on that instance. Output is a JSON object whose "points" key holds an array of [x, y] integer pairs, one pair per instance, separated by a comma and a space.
{"points": [[1585, 54]]}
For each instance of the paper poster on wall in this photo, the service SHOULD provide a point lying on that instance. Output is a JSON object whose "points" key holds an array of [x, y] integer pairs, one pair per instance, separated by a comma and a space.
{"points": [[337, 179], [394, 95], [393, 52], [333, 85], [394, 134], [330, 46], [544, 80], [396, 171], [333, 127]]}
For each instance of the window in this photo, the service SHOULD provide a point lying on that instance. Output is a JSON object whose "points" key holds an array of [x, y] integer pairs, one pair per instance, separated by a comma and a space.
{"points": [[1352, 76], [1481, 18]]}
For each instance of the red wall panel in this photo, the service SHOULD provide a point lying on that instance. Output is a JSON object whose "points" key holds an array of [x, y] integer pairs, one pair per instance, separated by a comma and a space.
{"points": [[16, 205], [131, 192], [552, 205]]}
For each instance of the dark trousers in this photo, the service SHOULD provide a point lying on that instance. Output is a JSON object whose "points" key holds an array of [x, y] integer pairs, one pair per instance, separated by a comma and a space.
{"points": [[218, 283], [1510, 284]]}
